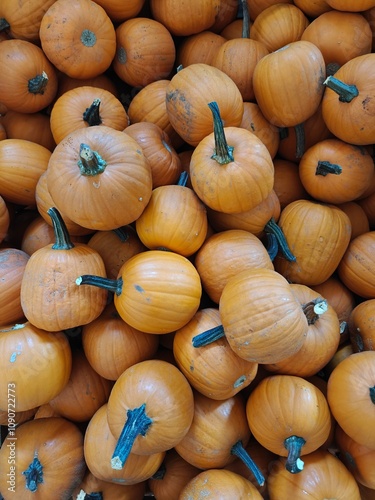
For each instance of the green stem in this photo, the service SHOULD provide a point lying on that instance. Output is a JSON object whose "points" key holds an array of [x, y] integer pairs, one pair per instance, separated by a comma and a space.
{"points": [[160, 473], [62, 237], [314, 309], [34, 474], [241, 453], [94, 495], [372, 394], [272, 246], [114, 286], [272, 227], [223, 153], [300, 139], [91, 114], [294, 444], [325, 167], [209, 336], [4, 25], [182, 180], [245, 19], [122, 233], [37, 85], [137, 424], [90, 162], [345, 92]]}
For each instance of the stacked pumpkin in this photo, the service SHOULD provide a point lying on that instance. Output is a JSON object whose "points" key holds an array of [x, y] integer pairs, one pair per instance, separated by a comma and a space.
{"points": [[186, 263]]}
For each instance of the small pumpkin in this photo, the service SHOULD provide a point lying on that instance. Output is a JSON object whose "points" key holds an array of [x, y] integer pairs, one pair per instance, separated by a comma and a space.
{"points": [[361, 325], [12, 265], [34, 127]]}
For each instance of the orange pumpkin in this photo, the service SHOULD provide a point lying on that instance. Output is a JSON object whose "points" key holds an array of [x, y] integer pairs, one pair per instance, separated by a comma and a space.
{"points": [[358, 218], [287, 182], [119, 11], [361, 325], [12, 265], [4, 219], [198, 48], [34, 127]]}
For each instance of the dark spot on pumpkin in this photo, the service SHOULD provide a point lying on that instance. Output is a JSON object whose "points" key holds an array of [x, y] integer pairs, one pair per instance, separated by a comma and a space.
{"points": [[365, 102], [139, 288]]}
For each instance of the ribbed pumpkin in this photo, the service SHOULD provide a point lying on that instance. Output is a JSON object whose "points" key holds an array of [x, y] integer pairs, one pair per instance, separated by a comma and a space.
{"points": [[12, 265], [361, 325]]}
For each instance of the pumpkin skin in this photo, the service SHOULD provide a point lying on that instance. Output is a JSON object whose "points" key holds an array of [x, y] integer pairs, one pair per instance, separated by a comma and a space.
{"points": [[145, 51], [361, 326], [352, 121], [34, 127], [279, 80], [333, 171], [198, 48], [126, 179], [354, 403], [346, 5], [28, 80], [254, 121], [12, 265], [358, 218], [76, 51], [302, 413], [77, 108], [98, 448], [356, 269], [43, 369], [183, 95], [219, 483], [4, 219], [318, 235], [287, 182], [324, 476], [278, 324], [118, 11], [56, 444]]}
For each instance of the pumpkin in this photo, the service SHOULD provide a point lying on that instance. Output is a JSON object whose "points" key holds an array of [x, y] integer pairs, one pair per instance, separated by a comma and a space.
{"points": [[12, 265], [289, 416], [28, 79], [350, 393], [22, 162], [50, 298], [287, 182], [356, 269], [186, 102], [231, 169], [215, 370], [118, 11], [346, 5], [19, 416], [361, 326], [47, 459], [79, 39], [175, 219], [318, 235], [324, 476], [85, 106], [145, 51], [98, 448], [347, 101], [358, 218], [150, 409], [313, 9], [333, 171], [42, 370], [102, 164], [219, 482], [111, 345], [34, 127], [198, 48], [4, 219], [155, 292], [278, 25]]}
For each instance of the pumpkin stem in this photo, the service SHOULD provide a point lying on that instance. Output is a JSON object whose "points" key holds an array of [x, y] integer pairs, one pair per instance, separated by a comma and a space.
{"points": [[245, 19], [345, 92], [241, 453], [372, 394], [272, 246], [272, 227], [182, 180], [34, 474], [114, 286], [293, 444], [314, 309], [209, 336], [300, 139], [90, 162], [223, 152], [94, 495], [91, 114], [137, 423], [122, 233], [160, 473], [4, 25], [62, 237], [37, 85], [325, 167]]}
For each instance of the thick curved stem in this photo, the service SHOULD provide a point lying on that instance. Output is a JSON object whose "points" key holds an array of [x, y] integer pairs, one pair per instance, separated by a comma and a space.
{"points": [[300, 139], [241, 453], [314, 309], [34, 474], [91, 115], [272, 246], [294, 444], [209, 336], [114, 286], [272, 227], [137, 424], [345, 92], [223, 153], [122, 233], [90, 162], [62, 237], [37, 85], [325, 167], [245, 19]]}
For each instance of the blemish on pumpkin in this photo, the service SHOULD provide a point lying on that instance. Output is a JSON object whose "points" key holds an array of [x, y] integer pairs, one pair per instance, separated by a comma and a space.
{"points": [[13, 356], [139, 288], [239, 381], [121, 55]]}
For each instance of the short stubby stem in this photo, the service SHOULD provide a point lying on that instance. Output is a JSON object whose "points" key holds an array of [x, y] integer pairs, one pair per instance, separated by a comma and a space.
{"points": [[137, 424], [239, 451], [38, 84], [34, 474], [314, 309], [293, 445], [91, 114], [345, 92], [209, 336], [325, 167], [372, 394], [90, 162]]}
